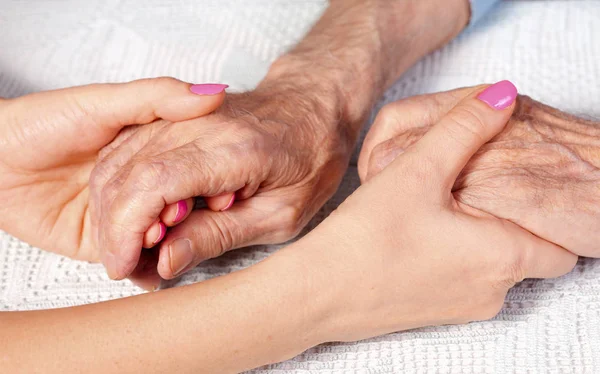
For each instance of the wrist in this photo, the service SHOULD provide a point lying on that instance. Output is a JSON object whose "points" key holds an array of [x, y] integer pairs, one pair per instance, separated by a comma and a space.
{"points": [[343, 94], [341, 59], [359, 48], [409, 30], [310, 305]]}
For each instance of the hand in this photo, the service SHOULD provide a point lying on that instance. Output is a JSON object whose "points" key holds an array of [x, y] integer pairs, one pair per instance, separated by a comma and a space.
{"points": [[50, 142], [542, 172], [274, 148], [286, 144], [401, 252]]}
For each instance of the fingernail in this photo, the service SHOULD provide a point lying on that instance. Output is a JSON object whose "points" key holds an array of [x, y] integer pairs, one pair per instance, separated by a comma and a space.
{"points": [[499, 95], [208, 89], [229, 204], [110, 263], [181, 210], [180, 252], [161, 233]]}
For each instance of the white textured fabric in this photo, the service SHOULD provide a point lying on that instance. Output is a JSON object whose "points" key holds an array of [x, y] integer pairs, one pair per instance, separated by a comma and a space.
{"points": [[550, 49]]}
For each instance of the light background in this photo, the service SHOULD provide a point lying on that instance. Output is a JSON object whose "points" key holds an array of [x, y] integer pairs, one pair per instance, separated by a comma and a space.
{"points": [[550, 49]]}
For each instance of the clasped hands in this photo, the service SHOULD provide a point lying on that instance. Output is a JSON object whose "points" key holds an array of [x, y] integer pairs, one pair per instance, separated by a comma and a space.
{"points": [[78, 180]]}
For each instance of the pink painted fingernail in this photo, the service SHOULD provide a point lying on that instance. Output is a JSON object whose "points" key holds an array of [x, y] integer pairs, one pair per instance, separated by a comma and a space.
{"points": [[229, 204], [208, 88], [499, 95], [181, 210], [161, 233]]}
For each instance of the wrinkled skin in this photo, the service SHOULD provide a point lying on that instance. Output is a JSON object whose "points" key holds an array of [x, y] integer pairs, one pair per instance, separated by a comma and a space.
{"points": [[50, 142], [273, 148], [541, 172], [402, 252]]}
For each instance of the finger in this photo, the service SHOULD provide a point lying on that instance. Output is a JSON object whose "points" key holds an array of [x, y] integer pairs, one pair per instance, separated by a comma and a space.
{"points": [[414, 113], [145, 274], [539, 258], [154, 234], [81, 112], [220, 203], [116, 105], [177, 213], [207, 234], [149, 186], [142, 102], [474, 121]]}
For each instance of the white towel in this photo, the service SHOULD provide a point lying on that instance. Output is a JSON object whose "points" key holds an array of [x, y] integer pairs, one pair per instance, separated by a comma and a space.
{"points": [[550, 49]]}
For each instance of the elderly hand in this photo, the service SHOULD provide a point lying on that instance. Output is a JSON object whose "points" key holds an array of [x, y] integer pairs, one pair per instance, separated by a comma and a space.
{"points": [[542, 172], [281, 151], [401, 252], [51, 141]]}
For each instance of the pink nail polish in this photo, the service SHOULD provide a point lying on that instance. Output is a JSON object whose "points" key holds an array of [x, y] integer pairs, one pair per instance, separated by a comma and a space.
{"points": [[208, 88], [181, 211], [499, 95], [161, 233], [229, 204]]}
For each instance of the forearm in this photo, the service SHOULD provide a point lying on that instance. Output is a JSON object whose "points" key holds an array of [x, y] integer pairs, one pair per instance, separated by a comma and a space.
{"points": [[264, 314], [360, 47]]}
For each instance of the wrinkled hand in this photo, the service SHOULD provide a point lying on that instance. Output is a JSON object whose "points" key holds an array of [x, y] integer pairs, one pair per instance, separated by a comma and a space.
{"points": [[542, 172], [401, 252], [271, 147], [50, 142]]}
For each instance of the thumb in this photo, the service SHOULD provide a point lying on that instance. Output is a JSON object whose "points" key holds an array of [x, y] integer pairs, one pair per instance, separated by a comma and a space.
{"points": [[475, 120], [91, 116], [116, 105], [146, 100], [207, 234]]}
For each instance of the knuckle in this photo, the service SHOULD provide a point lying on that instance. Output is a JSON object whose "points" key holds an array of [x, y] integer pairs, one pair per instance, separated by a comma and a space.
{"points": [[246, 138], [99, 176], [160, 83], [387, 118], [291, 218], [148, 175], [221, 238]]}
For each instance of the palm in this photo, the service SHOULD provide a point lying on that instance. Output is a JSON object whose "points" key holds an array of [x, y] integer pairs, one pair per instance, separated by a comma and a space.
{"points": [[51, 141], [46, 167]]}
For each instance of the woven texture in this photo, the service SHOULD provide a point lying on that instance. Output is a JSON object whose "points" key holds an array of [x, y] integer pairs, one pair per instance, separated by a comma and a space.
{"points": [[550, 49]]}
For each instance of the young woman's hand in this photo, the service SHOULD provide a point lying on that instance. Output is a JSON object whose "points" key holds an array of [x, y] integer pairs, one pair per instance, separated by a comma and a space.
{"points": [[51, 141], [401, 252], [542, 172]]}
